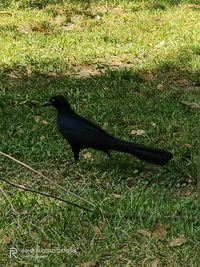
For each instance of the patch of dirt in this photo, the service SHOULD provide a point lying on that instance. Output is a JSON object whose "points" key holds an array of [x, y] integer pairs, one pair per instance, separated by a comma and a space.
{"points": [[87, 71]]}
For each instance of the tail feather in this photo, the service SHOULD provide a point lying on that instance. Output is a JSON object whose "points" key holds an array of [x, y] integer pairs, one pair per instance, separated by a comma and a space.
{"points": [[150, 154]]}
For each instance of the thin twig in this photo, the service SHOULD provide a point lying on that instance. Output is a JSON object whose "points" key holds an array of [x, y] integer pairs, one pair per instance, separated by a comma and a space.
{"points": [[46, 178], [46, 195]]}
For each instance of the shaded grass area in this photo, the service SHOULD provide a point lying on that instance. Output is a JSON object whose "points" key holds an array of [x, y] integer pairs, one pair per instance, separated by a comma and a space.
{"points": [[124, 76]]}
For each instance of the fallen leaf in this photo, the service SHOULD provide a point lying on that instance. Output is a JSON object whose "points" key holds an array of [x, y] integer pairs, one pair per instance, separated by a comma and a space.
{"points": [[24, 212], [5, 14], [88, 264], [177, 241], [45, 243], [159, 230], [155, 263], [191, 104], [88, 155], [144, 232], [183, 82], [148, 75], [138, 132], [37, 29], [6, 240], [188, 145], [96, 230], [39, 119]]}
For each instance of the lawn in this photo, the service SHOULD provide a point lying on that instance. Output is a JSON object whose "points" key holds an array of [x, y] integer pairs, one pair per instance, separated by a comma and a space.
{"points": [[128, 66]]}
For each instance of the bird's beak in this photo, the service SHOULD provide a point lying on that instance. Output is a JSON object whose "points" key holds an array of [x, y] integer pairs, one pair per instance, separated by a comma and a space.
{"points": [[46, 104]]}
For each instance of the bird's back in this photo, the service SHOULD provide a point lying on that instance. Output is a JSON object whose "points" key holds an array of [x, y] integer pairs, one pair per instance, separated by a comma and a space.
{"points": [[83, 133]]}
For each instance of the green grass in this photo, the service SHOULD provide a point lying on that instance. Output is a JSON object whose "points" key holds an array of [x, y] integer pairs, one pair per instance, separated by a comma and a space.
{"points": [[125, 65]]}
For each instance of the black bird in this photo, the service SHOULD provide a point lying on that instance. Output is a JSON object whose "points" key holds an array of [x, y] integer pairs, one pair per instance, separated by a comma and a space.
{"points": [[81, 133]]}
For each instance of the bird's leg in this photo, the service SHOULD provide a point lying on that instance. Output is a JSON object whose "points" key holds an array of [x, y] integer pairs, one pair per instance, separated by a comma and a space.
{"points": [[75, 151]]}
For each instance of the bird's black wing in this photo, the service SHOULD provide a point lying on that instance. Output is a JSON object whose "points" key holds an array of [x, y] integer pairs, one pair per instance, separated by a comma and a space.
{"points": [[77, 130]]}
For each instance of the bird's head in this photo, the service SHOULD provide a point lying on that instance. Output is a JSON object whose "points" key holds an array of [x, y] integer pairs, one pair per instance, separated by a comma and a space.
{"points": [[58, 102]]}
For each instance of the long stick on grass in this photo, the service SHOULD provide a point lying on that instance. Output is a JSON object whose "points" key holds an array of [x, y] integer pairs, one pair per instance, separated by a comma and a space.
{"points": [[46, 178], [46, 195]]}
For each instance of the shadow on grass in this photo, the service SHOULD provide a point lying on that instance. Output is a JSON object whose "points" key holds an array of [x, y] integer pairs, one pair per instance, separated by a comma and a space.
{"points": [[120, 100]]}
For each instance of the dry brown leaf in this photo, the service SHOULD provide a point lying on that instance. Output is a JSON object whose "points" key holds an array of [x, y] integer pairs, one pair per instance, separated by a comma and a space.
{"points": [[183, 82], [37, 29], [36, 118], [191, 104], [155, 262], [45, 243], [144, 232], [138, 132], [5, 14], [24, 212], [6, 240], [96, 230], [88, 264], [39, 119], [177, 241], [88, 155], [188, 145], [159, 230], [148, 75], [50, 74]]}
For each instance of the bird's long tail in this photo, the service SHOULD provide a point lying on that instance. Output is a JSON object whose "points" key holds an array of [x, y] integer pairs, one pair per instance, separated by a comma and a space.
{"points": [[150, 154]]}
